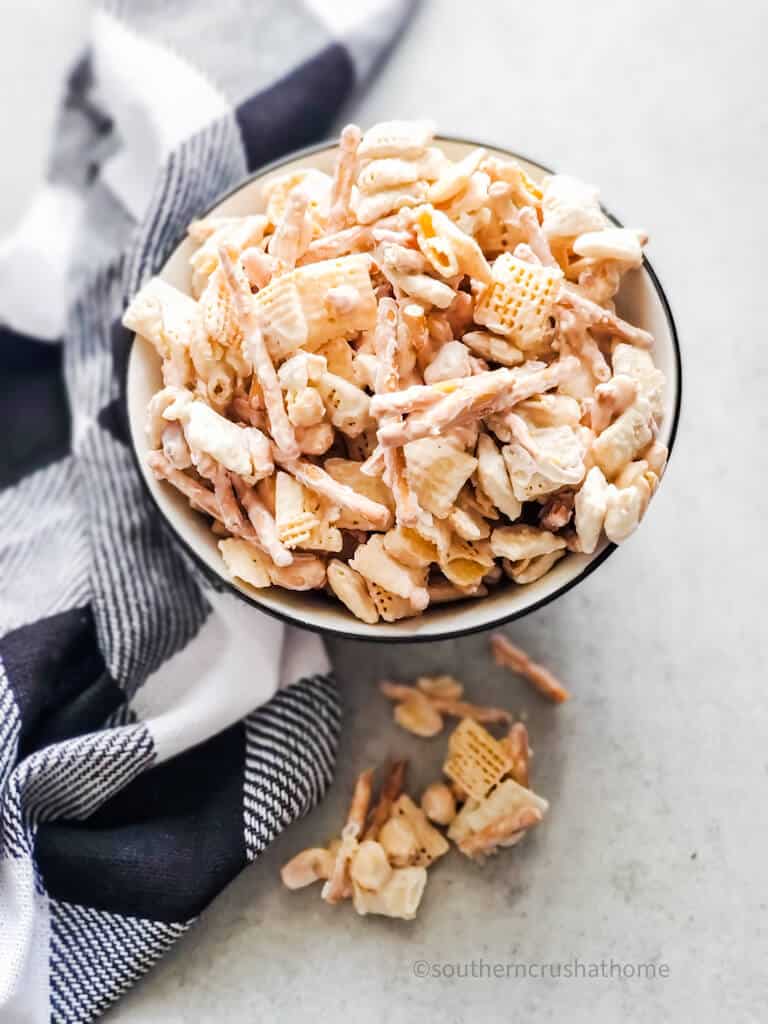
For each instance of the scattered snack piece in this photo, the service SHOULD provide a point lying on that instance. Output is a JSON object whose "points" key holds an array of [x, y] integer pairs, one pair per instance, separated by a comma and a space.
{"points": [[507, 655], [476, 761], [400, 897], [335, 889], [439, 803], [307, 867], [380, 860], [399, 840], [390, 791], [506, 830], [496, 820], [420, 709], [441, 686], [515, 745], [430, 844], [447, 325], [418, 716]]}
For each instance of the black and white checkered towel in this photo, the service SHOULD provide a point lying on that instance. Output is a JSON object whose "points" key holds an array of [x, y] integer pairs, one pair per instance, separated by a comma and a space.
{"points": [[136, 778]]}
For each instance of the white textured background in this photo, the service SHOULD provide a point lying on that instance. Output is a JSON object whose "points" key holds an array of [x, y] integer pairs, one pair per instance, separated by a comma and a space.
{"points": [[657, 840]]}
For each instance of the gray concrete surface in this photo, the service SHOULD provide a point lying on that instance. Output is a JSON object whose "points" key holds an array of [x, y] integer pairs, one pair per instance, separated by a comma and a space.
{"points": [[655, 848]]}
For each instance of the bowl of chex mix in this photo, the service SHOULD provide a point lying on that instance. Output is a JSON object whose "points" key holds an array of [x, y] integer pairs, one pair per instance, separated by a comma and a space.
{"points": [[403, 386]]}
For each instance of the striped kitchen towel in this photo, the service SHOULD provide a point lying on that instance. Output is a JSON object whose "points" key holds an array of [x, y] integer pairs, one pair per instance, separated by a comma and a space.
{"points": [[154, 736]]}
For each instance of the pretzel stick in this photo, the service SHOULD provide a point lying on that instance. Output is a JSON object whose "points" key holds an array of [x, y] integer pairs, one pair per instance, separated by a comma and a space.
{"points": [[515, 745], [386, 343], [289, 240], [335, 888], [343, 178], [479, 396], [463, 709], [259, 266], [317, 480], [256, 349], [598, 318], [197, 494], [575, 337], [445, 705], [535, 237], [329, 247], [390, 791], [263, 523], [231, 514], [504, 828], [507, 655]]}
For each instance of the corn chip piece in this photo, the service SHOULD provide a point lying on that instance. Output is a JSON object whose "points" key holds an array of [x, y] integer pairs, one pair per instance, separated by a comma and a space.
{"points": [[519, 301], [372, 561], [399, 897], [506, 799], [521, 541], [404, 139], [550, 410], [294, 310], [347, 405], [553, 458], [451, 363], [467, 522], [590, 506], [349, 586], [306, 572], [163, 315], [638, 364], [430, 844], [624, 439], [490, 346], [531, 569], [622, 244], [494, 479], [325, 536], [295, 522], [339, 355], [348, 472], [409, 547], [245, 562], [626, 507], [466, 564], [476, 761], [417, 715], [437, 471], [570, 207], [389, 606], [441, 686]]}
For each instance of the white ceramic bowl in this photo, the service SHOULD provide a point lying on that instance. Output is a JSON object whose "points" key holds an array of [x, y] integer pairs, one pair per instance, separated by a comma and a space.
{"points": [[641, 300]]}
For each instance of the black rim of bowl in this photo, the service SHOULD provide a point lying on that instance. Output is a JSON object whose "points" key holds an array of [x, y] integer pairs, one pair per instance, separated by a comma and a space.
{"points": [[219, 583]]}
